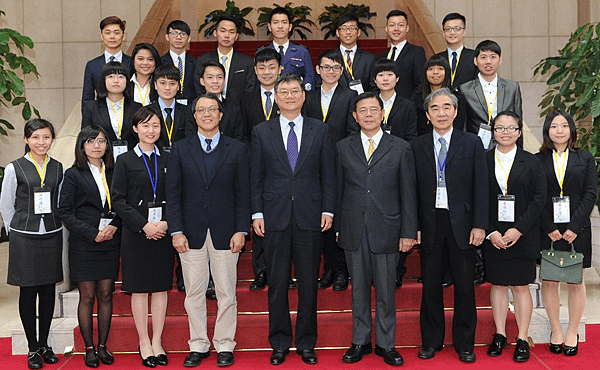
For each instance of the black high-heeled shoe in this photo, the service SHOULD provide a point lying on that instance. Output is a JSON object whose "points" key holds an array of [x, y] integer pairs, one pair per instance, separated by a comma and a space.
{"points": [[105, 356], [554, 348], [149, 361], [572, 351], [91, 358]]}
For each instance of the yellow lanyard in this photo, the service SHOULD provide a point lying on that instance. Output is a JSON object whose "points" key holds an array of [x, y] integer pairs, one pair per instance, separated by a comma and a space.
{"points": [[503, 169], [119, 122], [561, 175], [386, 113], [491, 109], [182, 79], [42, 173], [348, 66], [228, 62], [264, 104], [169, 130], [139, 89], [106, 188], [452, 74]]}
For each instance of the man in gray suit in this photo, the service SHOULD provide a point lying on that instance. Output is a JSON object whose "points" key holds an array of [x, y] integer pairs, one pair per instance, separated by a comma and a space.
{"points": [[376, 212]]}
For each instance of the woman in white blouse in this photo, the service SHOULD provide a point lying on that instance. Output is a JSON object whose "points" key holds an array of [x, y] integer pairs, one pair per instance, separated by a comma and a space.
{"points": [[144, 60]]}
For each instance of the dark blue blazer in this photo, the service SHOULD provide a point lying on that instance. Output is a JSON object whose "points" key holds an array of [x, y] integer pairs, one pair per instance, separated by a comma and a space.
{"points": [[195, 204], [297, 60], [189, 90], [91, 76]]}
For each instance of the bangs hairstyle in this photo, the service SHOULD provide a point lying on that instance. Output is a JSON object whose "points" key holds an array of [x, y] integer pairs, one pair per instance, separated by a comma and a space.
{"points": [[289, 77], [508, 113], [170, 72], [488, 45], [384, 65], [435, 60], [280, 10], [332, 54], [144, 114], [345, 18], [35, 124], [453, 16], [547, 144], [227, 17], [178, 25], [112, 20], [366, 95], [112, 68], [92, 132], [266, 54], [396, 13], [209, 96], [145, 46]]}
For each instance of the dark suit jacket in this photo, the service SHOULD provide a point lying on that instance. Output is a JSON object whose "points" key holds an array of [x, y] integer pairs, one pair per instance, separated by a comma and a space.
{"points": [[274, 187], [241, 74], [96, 113], [195, 203], [527, 183], [403, 118], [231, 123], [509, 98], [339, 118], [297, 60], [409, 64], [81, 208], [179, 123], [189, 89], [466, 70], [253, 113], [466, 182], [91, 76], [380, 196], [362, 66]]}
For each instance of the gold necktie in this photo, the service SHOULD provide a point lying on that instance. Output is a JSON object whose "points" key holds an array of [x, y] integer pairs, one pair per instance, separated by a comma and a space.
{"points": [[370, 150]]}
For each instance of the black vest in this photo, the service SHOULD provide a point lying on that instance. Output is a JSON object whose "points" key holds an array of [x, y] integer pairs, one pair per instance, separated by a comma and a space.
{"points": [[210, 159]]}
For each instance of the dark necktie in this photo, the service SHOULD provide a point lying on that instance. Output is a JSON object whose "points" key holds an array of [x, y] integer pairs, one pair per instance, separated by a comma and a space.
{"points": [[111, 59], [453, 61], [349, 62], [208, 147], [393, 53], [168, 119], [281, 50], [268, 103], [292, 147], [180, 67]]}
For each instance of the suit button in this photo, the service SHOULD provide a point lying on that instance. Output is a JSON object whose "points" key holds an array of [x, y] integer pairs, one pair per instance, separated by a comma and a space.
{"points": [[293, 178], [368, 191], [206, 206], [208, 188], [368, 171]]}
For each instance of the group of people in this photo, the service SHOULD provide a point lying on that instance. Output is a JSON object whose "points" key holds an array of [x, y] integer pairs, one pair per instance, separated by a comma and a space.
{"points": [[360, 163]]}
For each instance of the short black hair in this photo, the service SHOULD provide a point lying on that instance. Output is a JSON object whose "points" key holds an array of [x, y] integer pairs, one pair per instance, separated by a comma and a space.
{"points": [[113, 19], [112, 68], [346, 17], [367, 95], [266, 54], [435, 60], [384, 65], [488, 45], [167, 70], [289, 77], [208, 96], [227, 17], [453, 16], [212, 63], [333, 54], [91, 132], [179, 25], [35, 124], [547, 143], [508, 113], [280, 10], [144, 114], [396, 13]]}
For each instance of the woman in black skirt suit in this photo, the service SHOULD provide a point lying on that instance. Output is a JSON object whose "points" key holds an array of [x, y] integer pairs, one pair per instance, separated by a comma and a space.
{"points": [[146, 249], [517, 198], [86, 210], [28, 204], [572, 173]]}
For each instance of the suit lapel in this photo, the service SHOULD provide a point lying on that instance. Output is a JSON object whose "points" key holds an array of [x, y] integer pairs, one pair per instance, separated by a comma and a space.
{"points": [[517, 167], [549, 163], [276, 140], [356, 145], [308, 137], [501, 92], [429, 148], [87, 175], [403, 52], [334, 98], [480, 96], [223, 152], [197, 154], [455, 144], [571, 162], [383, 147], [104, 117], [394, 110], [317, 102]]}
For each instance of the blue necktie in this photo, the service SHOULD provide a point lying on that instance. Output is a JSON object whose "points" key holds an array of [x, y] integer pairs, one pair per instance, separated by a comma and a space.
{"points": [[442, 161], [268, 104], [453, 61], [292, 147], [111, 59], [208, 147], [281, 50]]}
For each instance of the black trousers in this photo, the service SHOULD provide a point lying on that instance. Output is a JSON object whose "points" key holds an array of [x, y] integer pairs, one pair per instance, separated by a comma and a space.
{"points": [[258, 256], [445, 252], [333, 256]]}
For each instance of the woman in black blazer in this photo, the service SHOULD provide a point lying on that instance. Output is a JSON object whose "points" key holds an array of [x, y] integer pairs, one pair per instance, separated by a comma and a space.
{"points": [[576, 169], [517, 191], [114, 107], [86, 209]]}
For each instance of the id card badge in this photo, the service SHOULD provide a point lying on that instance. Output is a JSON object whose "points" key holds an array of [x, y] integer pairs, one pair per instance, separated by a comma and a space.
{"points": [[42, 201], [387, 128], [105, 220], [166, 149], [485, 134], [506, 208], [181, 101], [154, 212], [119, 147], [562, 210], [357, 86], [441, 198]]}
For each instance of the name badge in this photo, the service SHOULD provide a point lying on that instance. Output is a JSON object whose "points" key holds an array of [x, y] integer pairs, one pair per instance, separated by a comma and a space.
{"points": [[42, 201], [506, 208], [182, 101], [154, 212], [562, 210], [357, 86], [119, 147], [168, 150], [485, 134], [105, 220], [441, 198]]}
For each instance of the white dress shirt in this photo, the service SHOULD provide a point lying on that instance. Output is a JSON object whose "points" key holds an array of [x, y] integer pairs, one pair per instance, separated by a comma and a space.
{"points": [[140, 93], [490, 90], [326, 100], [285, 46], [118, 56], [365, 141], [436, 151], [502, 172], [99, 180], [399, 48], [115, 114]]}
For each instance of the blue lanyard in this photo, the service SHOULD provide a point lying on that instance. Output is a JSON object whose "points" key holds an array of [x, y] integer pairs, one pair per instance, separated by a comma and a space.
{"points": [[154, 182], [441, 166]]}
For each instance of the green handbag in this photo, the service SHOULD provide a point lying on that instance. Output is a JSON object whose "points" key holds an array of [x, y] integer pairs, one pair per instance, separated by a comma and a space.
{"points": [[561, 265]]}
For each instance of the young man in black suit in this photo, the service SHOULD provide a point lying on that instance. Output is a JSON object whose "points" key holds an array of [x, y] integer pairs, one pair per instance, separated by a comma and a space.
{"points": [[178, 37], [358, 63], [166, 85], [409, 58], [112, 34], [332, 104], [458, 56]]}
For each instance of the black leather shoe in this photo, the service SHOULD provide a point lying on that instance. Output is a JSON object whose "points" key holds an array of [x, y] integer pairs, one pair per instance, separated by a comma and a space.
{"points": [[390, 355], [497, 345], [341, 281], [292, 284], [149, 361], [161, 359], [278, 356], [428, 352], [105, 356], [521, 351], [479, 275], [48, 355], [308, 356], [225, 359], [555, 348], [326, 280], [260, 282], [356, 352], [420, 280], [572, 351], [91, 358], [195, 358], [466, 356], [180, 286], [447, 284], [398, 281], [34, 360]]}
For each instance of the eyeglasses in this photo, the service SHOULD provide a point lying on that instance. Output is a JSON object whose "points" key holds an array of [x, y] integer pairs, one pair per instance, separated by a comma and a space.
{"points": [[506, 129], [285, 92], [455, 29], [99, 141], [346, 28], [210, 110], [327, 68], [177, 33], [372, 110]]}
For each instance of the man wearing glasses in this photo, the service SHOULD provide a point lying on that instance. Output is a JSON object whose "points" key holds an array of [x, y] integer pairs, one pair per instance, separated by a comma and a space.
{"points": [[357, 62], [292, 194], [178, 37]]}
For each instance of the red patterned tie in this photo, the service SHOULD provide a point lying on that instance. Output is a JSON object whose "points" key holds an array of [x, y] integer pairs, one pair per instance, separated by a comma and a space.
{"points": [[349, 62]]}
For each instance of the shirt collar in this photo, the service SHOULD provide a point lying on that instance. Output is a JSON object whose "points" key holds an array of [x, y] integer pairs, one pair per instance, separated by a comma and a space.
{"points": [[376, 138], [134, 79], [329, 94], [95, 169], [508, 157], [117, 104], [458, 51], [139, 152], [118, 56], [174, 56], [262, 92], [214, 142], [400, 45], [390, 100], [163, 105], [483, 82], [285, 46], [228, 54], [447, 136], [284, 122], [343, 50]]}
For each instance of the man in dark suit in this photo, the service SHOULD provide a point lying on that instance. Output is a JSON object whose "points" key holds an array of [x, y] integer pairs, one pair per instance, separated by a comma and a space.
{"points": [[409, 58], [458, 56], [209, 215], [332, 103], [178, 37], [453, 215], [292, 194], [239, 75], [376, 215], [173, 114], [112, 34], [358, 63]]}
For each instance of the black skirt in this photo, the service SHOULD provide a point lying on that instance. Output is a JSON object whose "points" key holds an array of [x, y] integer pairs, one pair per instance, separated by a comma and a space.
{"points": [[34, 259], [512, 272], [89, 264]]}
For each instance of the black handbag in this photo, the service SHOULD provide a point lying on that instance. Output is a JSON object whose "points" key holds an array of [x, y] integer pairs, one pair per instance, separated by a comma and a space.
{"points": [[561, 265]]}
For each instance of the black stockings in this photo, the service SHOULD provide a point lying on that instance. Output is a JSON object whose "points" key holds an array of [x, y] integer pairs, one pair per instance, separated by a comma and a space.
{"points": [[88, 291], [27, 298]]}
